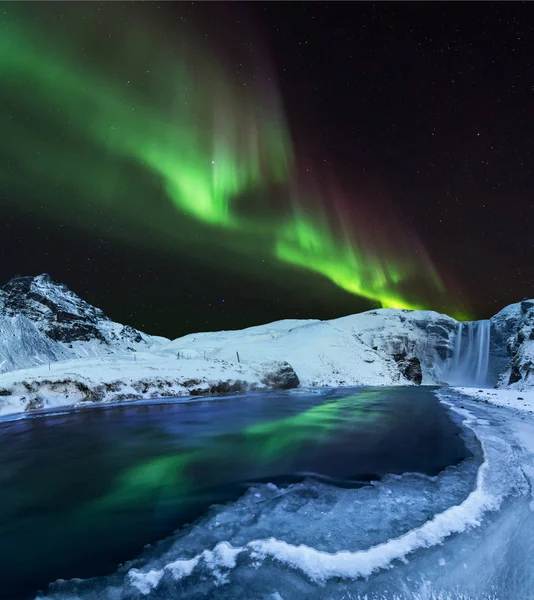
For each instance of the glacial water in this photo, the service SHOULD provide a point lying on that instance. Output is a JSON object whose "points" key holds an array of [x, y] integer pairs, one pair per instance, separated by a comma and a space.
{"points": [[82, 492]]}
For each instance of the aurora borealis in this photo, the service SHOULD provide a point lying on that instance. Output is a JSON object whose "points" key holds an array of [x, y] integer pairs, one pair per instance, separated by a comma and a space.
{"points": [[210, 143], [128, 125]]}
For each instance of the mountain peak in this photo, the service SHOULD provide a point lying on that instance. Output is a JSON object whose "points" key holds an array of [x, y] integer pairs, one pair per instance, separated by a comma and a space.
{"points": [[58, 312], [48, 321], [23, 283]]}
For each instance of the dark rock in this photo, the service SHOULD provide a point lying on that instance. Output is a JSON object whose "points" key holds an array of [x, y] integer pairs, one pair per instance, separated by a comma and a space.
{"points": [[222, 387], [113, 386], [439, 329], [515, 375], [409, 367], [526, 305], [29, 387], [412, 370], [283, 378], [131, 334], [75, 332], [34, 404], [444, 352], [126, 397], [190, 382]]}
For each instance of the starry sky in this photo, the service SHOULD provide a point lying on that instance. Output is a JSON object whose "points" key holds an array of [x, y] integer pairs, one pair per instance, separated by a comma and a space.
{"points": [[323, 159]]}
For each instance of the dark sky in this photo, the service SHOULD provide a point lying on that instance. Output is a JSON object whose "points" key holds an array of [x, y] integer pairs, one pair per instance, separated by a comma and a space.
{"points": [[434, 102]]}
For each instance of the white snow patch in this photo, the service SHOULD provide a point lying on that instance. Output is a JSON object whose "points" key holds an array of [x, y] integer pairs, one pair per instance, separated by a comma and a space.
{"points": [[145, 582], [523, 401]]}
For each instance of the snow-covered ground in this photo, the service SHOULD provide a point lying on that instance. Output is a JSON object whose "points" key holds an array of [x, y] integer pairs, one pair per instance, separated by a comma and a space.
{"points": [[142, 375], [523, 401]]}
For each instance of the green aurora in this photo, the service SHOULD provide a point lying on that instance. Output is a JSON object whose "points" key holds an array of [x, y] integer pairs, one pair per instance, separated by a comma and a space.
{"points": [[115, 121]]}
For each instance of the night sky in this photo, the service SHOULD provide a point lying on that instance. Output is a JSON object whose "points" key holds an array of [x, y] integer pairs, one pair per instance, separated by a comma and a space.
{"points": [[201, 166]]}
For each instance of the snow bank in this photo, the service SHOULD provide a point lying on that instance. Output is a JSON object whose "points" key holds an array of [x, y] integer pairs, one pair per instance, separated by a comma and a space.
{"points": [[523, 401], [142, 375]]}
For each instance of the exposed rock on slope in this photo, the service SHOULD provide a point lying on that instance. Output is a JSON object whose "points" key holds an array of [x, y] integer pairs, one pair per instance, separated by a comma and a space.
{"points": [[423, 334], [514, 330], [42, 321], [410, 368]]}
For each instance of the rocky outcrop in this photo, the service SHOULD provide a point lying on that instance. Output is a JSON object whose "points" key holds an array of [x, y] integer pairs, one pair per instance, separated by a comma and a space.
{"points": [[62, 316], [282, 377], [514, 330], [423, 334], [410, 368]]}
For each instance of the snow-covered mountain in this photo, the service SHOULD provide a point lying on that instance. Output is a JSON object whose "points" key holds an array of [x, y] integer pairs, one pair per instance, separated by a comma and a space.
{"points": [[42, 321]]}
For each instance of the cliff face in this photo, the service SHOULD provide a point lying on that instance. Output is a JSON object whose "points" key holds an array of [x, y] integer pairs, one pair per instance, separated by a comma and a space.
{"points": [[423, 334], [514, 341]]}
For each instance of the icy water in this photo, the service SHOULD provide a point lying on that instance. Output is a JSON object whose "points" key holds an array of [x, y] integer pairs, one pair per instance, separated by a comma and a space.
{"points": [[82, 491], [371, 494]]}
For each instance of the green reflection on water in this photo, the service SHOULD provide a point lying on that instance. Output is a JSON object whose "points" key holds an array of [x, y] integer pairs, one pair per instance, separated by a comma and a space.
{"points": [[263, 443], [319, 424], [143, 482]]}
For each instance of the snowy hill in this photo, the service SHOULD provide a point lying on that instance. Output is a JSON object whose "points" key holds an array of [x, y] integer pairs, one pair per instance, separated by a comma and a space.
{"points": [[354, 350], [321, 353], [42, 321]]}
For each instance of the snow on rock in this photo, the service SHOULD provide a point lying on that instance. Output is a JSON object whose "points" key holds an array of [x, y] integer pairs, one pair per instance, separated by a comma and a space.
{"points": [[42, 321], [127, 377], [423, 334], [514, 336], [523, 401]]}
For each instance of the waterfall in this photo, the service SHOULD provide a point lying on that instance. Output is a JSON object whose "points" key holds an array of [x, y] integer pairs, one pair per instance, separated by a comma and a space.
{"points": [[470, 361]]}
